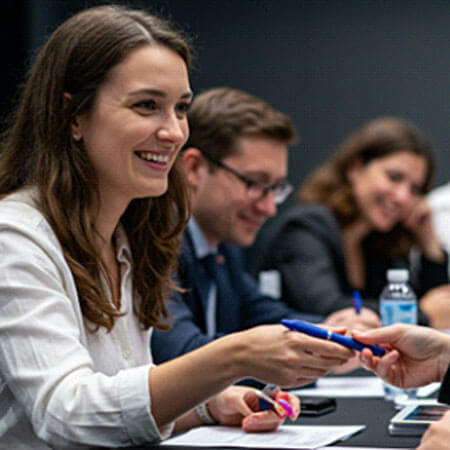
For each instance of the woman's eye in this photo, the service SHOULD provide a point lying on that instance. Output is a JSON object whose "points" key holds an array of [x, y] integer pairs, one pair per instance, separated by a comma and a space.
{"points": [[148, 105], [183, 108], [395, 176]]}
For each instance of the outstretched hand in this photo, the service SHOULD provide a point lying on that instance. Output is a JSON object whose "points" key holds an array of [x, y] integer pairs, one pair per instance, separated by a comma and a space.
{"points": [[349, 319], [274, 354], [414, 355]]}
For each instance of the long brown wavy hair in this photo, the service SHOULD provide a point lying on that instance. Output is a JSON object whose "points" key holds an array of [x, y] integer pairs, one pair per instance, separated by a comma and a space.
{"points": [[329, 185], [37, 150]]}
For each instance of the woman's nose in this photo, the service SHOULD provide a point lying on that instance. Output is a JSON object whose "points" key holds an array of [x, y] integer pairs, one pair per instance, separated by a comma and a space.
{"points": [[173, 129]]}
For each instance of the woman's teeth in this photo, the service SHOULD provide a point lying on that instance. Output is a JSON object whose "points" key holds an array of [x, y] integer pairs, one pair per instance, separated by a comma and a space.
{"points": [[154, 157]]}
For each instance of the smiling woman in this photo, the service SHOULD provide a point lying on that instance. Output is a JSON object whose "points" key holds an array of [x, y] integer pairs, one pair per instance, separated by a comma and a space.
{"points": [[361, 213], [92, 204], [137, 126]]}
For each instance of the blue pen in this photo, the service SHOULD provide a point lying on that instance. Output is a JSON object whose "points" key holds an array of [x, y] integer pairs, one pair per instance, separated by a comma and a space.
{"points": [[321, 333], [357, 301]]}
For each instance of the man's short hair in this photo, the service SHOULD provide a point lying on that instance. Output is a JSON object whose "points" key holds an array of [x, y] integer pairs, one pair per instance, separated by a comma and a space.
{"points": [[219, 117]]}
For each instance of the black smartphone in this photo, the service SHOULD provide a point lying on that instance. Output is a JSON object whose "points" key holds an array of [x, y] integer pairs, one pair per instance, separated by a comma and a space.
{"points": [[316, 406]]}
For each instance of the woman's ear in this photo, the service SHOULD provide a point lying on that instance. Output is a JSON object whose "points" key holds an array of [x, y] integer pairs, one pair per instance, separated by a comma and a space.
{"points": [[354, 168], [194, 166], [74, 127]]}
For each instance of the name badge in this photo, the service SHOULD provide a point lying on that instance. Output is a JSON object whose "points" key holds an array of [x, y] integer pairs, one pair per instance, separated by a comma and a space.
{"points": [[270, 283]]}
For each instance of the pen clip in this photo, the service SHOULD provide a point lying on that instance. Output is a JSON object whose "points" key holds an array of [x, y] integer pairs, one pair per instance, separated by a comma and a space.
{"points": [[271, 390]]}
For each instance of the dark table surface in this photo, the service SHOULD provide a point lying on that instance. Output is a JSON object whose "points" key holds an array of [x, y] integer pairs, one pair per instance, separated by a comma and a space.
{"points": [[375, 413]]}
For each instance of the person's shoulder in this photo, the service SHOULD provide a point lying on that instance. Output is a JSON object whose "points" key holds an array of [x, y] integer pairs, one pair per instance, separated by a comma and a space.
{"points": [[20, 206], [19, 211], [308, 211], [316, 218], [311, 216], [440, 196]]}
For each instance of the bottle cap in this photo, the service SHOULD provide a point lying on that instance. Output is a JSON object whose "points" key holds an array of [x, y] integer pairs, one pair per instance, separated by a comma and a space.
{"points": [[397, 275]]}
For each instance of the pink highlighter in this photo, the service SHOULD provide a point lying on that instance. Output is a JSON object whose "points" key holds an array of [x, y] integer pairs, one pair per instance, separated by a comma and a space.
{"points": [[267, 401]]}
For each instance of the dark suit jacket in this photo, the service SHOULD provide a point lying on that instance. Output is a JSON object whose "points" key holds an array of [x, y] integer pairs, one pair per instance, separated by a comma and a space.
{"points": [[444, 393], [304, 244], [241, 306]]}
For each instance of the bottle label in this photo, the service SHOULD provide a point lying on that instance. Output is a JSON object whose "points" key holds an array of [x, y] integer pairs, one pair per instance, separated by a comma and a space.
{"points": [[398, 311]]}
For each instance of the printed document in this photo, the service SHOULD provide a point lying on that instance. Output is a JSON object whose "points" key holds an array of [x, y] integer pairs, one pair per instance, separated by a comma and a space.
{"points": [[286, 437]]}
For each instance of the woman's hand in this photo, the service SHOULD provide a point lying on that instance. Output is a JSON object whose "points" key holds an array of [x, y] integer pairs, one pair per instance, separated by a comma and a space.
{"points": [[274, 354], [437, 435], [348, 318], [436, 305], [269, 353], [414, 355], [239, 406], [419, 221]]}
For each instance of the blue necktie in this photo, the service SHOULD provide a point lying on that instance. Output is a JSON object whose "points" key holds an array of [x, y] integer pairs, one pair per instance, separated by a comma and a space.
{"points": [[228, 307], [210, 265]]}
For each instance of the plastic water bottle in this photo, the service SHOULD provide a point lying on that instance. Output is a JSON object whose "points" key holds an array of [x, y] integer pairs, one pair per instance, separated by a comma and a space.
{"points": [[398, 304]]}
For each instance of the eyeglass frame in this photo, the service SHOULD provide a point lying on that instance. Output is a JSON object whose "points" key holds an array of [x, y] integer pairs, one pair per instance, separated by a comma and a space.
{"points": [[284, 187]]}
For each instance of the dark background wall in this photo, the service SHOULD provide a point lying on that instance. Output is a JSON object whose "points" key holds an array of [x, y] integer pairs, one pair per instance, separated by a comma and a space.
{"points": [[330, 65]]}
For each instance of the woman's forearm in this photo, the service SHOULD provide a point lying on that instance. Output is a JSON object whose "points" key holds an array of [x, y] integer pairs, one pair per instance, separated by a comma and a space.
{"points": [[180, 384], [187, 421], [271, 353], [432, 249]]}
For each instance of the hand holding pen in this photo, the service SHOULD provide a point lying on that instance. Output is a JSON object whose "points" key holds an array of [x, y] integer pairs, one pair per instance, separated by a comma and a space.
{"points": [[239, 406], [277, 408], [271, 397], [322, 333]]}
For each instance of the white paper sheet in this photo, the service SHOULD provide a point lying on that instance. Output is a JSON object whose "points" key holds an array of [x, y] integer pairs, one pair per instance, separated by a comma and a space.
{"points": [[364, 448], [287, 436], [354, 387]]}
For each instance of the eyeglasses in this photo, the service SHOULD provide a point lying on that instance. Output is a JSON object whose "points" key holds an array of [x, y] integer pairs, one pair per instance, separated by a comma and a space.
{"points": [[256, 190]]}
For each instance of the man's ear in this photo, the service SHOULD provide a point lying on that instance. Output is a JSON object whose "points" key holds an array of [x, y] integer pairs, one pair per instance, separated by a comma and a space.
{"points": [[75, 128], [195, 165]]}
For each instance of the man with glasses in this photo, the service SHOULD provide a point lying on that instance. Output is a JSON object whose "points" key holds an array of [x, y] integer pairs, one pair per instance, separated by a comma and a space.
{"points": [[236, 165]]}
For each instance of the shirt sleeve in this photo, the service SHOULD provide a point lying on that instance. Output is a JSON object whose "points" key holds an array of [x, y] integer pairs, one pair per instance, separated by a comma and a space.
{"points": [[44, 355]]}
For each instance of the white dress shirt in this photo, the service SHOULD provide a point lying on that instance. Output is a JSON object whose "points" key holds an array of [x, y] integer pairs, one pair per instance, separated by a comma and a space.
{"points": [[439, 201], [60, 384]]}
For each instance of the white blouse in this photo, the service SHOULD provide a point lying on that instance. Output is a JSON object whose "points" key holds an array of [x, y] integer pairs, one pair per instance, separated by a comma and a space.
{"points": [[61, 385]]}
